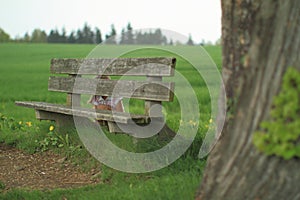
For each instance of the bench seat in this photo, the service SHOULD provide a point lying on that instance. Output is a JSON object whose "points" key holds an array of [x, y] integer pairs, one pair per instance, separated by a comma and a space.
{"points": [[120, 117]]}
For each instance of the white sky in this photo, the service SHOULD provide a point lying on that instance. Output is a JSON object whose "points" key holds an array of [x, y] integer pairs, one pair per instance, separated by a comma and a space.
{"points": [[200, 18]]}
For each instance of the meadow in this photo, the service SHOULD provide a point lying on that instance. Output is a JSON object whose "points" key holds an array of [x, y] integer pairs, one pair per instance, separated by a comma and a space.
{"points": [[24, 70]]}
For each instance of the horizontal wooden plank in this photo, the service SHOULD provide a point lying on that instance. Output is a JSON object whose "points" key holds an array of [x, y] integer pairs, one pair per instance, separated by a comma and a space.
{"points": [[158, 66], [156, 91], [85, 112]]}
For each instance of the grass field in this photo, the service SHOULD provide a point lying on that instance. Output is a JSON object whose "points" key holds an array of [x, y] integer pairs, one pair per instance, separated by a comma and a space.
{"points": [[24, 70]]}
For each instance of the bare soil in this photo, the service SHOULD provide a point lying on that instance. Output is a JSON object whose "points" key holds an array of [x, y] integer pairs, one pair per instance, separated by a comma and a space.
{"points": [[40, 171]]}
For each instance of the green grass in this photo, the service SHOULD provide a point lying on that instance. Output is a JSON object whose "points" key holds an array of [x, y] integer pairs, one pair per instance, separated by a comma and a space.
{"points": [[24, 70], [178, 181]]}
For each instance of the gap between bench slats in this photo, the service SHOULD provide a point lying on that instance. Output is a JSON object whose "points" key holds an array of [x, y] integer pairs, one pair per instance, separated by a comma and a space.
{"points": [[156, 91]]}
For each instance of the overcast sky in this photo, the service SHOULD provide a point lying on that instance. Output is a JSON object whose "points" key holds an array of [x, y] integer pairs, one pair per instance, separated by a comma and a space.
{"points": [[200, 18]]}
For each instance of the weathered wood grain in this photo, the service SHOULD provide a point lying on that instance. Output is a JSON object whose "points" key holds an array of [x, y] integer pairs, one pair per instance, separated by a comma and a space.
{"points": [[73, 99], [158, 66], [60, 119], [148, 90], [106, 115], [152, 104]]}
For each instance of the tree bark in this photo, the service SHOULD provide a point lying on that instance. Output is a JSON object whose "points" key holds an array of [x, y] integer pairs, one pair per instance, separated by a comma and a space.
{"points": [[261, 39]]}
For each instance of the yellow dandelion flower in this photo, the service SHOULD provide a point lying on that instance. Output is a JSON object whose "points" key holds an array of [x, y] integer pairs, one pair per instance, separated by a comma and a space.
{"points": [[51, 128], [206, 126], [29, 124], [210, 121], [20, 122]]}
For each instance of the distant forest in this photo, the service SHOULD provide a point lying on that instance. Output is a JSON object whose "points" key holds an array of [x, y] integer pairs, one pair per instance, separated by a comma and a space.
{"points": [[87, 35]]}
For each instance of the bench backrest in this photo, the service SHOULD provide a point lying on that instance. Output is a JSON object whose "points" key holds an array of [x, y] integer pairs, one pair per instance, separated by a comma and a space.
{"points": [[152, 89]]}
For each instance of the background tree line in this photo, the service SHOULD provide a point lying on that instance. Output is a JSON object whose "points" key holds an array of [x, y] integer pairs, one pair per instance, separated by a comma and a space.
{"points": [[87, 35]]}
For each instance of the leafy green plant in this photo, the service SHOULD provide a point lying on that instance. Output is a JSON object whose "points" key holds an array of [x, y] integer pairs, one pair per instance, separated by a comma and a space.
{"points": [[10, 123], [2, 186], [21, 134], [55, 140], [51, 140], [281, 135]]}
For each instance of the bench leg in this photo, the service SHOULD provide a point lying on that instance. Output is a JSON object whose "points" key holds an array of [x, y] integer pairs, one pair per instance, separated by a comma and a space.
{"points": [[166, 133], [113, 127], [60, 119]]}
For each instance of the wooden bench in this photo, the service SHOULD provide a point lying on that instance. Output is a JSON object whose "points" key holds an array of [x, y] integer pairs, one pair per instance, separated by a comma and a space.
{"points": [[77, 81]]}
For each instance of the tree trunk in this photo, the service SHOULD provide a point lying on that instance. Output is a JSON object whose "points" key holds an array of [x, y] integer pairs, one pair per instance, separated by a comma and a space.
{"points": [[261, 39]]}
